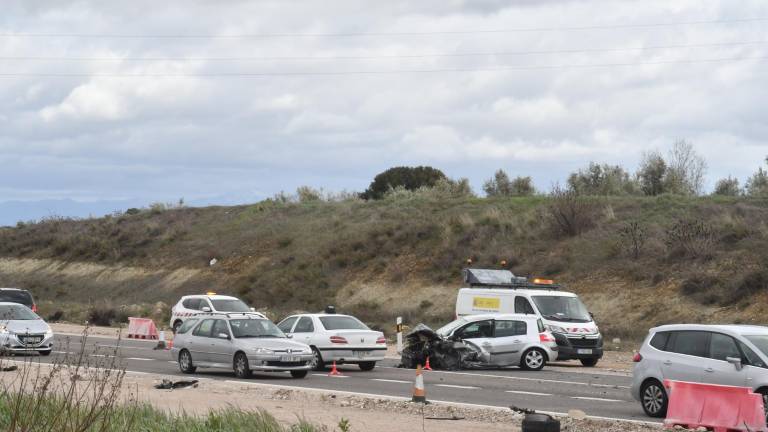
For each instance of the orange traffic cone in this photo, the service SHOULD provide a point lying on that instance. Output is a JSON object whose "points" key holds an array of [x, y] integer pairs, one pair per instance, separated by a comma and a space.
{"points": [[334, 371], [426, 366], [419, 395], [169, 344]]}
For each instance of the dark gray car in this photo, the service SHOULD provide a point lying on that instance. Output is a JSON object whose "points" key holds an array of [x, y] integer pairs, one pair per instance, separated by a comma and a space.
{"points": [[243, 342]]}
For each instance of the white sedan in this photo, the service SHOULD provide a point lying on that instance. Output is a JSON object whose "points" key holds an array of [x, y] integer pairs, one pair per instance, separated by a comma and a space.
{"points": [[340, 338]]}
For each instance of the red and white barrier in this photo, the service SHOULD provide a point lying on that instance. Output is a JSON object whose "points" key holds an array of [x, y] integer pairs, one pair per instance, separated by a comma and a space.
{"points": [[717, 407], [142, 328]]}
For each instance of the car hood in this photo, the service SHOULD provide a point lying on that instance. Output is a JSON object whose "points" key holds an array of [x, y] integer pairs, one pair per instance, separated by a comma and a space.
{"points": [[25, 326], [275, 344]]}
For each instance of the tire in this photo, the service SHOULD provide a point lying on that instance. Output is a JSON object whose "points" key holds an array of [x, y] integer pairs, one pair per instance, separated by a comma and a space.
{"points": [[44, 353], [185, 362], [653, 398], [592, 362], [764, 392], [176, 326], [299, 374], [317, 360], [533, 360], [540, 423], [367, 366], [241, 367]]}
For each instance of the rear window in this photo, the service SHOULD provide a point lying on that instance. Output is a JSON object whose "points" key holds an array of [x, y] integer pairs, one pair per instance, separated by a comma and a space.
{"points": [[17, 296], [188, 324], [659, 341], [342, 323]]}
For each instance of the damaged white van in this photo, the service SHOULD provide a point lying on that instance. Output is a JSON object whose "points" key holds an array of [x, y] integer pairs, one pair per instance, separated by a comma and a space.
{"points": [[563, 313]]}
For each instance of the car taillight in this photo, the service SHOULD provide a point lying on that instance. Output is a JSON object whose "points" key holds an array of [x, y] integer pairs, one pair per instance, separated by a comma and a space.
{"points": [[546, 337], [338, 340], [34, 307], [381, 341], [637, 357]]}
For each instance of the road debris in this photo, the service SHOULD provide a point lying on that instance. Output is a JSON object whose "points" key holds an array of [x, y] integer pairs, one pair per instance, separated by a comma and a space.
{"points": [[172, 385]]}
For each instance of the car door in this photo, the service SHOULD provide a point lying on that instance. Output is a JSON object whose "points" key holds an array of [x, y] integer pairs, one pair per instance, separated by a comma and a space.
{"points": [[221, 350], [718, 370], [199, 343], [479, 333], [688, 352], [304, 330], [509, 339]]}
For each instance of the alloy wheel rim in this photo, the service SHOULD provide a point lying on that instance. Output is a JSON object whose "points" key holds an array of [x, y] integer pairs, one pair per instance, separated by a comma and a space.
{"points": [[533, 359], [315, 358], [653, 399], [185, 360], [240, 365]]}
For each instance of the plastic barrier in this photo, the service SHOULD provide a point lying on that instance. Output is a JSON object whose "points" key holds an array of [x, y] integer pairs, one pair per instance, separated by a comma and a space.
{"points": [[717, 407], [141, 328]]}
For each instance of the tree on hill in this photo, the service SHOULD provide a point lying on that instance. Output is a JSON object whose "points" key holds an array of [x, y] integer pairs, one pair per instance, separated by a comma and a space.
{"points": [[727, 187], [409, 178], [651, 173], [603, 180], [685, 170], [501, 186], [757, 184]]}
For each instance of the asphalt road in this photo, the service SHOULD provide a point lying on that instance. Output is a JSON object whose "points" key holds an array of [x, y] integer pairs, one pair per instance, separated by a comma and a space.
{"points": [[548, 390]]}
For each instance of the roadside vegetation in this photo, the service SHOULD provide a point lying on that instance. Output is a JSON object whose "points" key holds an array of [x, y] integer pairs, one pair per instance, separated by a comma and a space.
{"points": [[642, 248]]}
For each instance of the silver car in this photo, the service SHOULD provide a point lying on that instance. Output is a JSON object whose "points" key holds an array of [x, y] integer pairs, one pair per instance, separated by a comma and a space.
{"points": [[505, 339], [734, 355], [243, 342], [23, 331]]}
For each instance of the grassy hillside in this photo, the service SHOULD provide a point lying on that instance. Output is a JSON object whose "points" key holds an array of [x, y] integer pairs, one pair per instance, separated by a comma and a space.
{"points": [[702, 259]]}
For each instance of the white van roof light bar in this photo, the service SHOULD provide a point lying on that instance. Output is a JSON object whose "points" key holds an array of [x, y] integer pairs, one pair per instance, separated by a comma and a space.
{"points": [[488, 278]]}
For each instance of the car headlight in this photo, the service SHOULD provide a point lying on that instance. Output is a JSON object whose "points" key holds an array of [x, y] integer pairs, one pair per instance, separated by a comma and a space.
{"points": [[3, 329], [263, 351], [49, 333], [556, 329]]}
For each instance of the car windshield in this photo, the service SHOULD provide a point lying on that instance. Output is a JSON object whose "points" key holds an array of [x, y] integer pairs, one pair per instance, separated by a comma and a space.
{"points": [[760, 341], [254, 328], [342, 323], [17, 312], [562, 308], [230, 306], [451, 326], [16, 296]]}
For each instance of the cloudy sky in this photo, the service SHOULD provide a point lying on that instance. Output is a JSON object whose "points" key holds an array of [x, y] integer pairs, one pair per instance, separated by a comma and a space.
{"points": [[112, 102]]}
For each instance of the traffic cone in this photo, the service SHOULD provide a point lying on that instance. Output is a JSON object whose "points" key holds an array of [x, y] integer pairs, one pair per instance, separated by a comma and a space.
{"points": [[169, 345], [419, 395], [334, 371], [161, 342], [426, 366]]}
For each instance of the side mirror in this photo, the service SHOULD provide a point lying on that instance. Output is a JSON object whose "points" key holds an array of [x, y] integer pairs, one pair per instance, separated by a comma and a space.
{"points": [[289, 335], [735, 361], [223, 336], [253, 309], [591, 315], [205, 309]]}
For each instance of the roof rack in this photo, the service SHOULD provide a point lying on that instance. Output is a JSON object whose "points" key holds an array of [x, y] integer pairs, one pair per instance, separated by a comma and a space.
{"points": [[230, 314], [487, 278]]}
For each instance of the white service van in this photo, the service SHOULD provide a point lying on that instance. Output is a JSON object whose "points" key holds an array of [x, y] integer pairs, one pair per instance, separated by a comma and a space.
{"points": [[563, 313]]}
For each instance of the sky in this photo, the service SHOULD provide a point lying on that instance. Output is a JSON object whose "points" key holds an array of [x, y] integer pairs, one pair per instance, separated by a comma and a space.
{"points": [[112, 104]]}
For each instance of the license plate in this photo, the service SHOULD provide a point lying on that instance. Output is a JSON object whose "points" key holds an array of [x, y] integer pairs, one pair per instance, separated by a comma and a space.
{"points": [[31, 341], [361, 353], [584, 351], [290, 359]]}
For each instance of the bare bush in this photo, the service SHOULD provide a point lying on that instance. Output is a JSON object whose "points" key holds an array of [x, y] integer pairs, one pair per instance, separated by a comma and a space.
{"points": [[633, 236], [690, 238], [569, 213]]}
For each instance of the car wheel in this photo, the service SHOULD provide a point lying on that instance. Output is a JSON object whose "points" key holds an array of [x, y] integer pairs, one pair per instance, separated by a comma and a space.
{"points": [[589, 362], [533, 359], [367, 366], [317, 360], [185, 362], [653, 396], [299, 374], [241, 366], [45, 353], [764, 393], [176, 326]]}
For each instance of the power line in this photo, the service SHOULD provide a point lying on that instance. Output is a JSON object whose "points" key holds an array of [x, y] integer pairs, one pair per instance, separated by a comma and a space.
{"points": [[393, 56], [368, 34], [370, 72]]}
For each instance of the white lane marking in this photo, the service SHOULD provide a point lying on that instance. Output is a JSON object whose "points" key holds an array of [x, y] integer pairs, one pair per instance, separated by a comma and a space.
{"points": [[457, 386], [137, 373], [390, 381], [173, 361], [521, 378], [331, 376], [527, 393], [596, 399], [138, 358], [101, 355], [61, 352]]}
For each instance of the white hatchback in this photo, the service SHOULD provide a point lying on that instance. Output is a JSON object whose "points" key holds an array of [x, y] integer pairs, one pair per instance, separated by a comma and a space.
{"points": [[340, 338], [733, 355], [191, 305]]}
